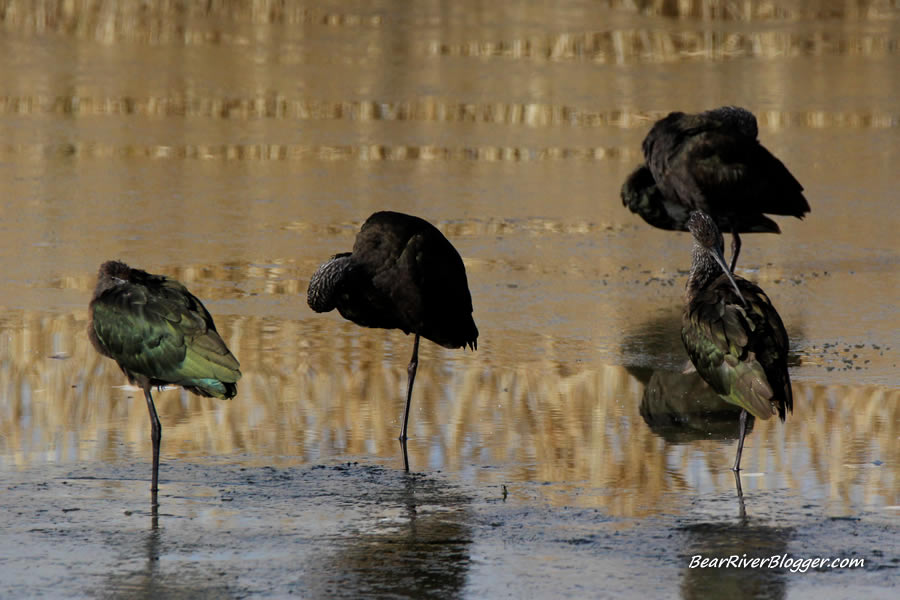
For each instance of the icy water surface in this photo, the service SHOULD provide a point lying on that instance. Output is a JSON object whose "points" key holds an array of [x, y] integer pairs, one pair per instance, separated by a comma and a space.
{"points": [[237, 146]]}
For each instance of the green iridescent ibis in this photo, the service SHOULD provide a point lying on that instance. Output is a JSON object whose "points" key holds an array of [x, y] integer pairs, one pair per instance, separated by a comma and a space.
{"points": [[713, 162], [733, 334], [402, 274], [159, 334]]}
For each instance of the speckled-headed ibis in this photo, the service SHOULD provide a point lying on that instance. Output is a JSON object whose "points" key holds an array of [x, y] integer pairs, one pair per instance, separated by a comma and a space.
{"points": [[732, 333]]}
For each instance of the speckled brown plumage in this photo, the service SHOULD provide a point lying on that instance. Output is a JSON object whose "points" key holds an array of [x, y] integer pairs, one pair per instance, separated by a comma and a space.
{"points": [[732, 333]]}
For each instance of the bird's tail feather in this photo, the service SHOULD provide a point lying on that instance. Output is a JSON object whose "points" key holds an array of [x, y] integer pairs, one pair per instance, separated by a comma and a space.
{"points": [[209, 368], [752, 392]]}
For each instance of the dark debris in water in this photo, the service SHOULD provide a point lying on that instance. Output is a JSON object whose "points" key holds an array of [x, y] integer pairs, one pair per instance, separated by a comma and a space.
{"points": [[832, 356]]}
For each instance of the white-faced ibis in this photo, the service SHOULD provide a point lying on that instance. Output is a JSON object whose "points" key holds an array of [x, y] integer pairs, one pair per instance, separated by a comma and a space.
{"points": [[402, 274], [712, 162], [733, 334], [159, 334]]}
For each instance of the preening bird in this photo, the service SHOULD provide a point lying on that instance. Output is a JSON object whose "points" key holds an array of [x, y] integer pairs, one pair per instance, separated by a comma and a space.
{"points": [[402, 274], [159, 334], [712, 162], [733, 334]]}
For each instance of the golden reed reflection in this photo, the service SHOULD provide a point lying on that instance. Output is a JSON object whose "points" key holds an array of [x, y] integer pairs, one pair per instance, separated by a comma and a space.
{"points": [[285, 152], [277, 106], [163, 21], [760, 10], [68, 15], [316, 390], [635, 46], [171, 22]]}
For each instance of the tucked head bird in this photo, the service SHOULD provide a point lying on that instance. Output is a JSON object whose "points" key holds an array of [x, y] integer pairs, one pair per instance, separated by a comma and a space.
{"points": [[402, 274], [713, 162], [733, 334], [159, 334]]}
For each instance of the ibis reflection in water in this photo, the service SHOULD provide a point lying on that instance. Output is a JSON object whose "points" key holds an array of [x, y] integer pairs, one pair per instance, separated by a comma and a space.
{"points": [[159, 334], [733, 334], [402, 274], [681, 407], [712, 162]]}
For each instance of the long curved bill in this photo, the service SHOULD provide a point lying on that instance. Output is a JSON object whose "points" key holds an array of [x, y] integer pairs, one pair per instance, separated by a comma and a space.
{"points": [[717, 254]]}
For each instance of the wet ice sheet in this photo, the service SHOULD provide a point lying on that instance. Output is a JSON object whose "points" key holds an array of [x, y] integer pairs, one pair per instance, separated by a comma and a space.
{"points": [[351, 529]]}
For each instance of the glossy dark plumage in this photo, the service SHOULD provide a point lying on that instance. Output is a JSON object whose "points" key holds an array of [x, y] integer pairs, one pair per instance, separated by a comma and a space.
{"points": [[159, 334], [402, 274], [736, 340], [713, 162]]}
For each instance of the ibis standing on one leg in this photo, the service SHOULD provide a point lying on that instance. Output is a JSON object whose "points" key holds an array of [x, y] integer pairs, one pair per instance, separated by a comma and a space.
{"points": [[159, 334], [402, 274], [713, 162], [733, 334]]}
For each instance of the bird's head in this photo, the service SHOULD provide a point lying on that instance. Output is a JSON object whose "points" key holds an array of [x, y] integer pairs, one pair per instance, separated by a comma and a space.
{"points": [[706, 232], [323, 285], [709, 244], [114, 269], [111, 274]]}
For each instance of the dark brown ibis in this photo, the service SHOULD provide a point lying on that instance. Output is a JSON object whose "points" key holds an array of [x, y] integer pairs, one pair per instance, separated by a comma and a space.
{"points": [[713, 162], [159, 334], [733, 334], [402, 274]]}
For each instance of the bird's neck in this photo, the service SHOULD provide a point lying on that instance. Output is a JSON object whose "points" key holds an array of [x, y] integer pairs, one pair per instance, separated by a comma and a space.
{"points": [[704, 269]]}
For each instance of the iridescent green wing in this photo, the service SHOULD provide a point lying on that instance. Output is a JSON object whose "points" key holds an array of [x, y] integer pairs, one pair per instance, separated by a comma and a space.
{"points": [[720, 336], [770, 346], [164, 333]]}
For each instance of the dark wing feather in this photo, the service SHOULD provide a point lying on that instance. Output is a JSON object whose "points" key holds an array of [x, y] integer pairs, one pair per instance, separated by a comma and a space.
{"points": [[770, 344], [362, 295], [410, 277], [447, 308], [741, 351], [720, 173], [713, 162]]}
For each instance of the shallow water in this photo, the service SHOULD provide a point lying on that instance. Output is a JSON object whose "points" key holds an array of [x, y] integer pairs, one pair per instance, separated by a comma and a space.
{"points": [[236, 147]]}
